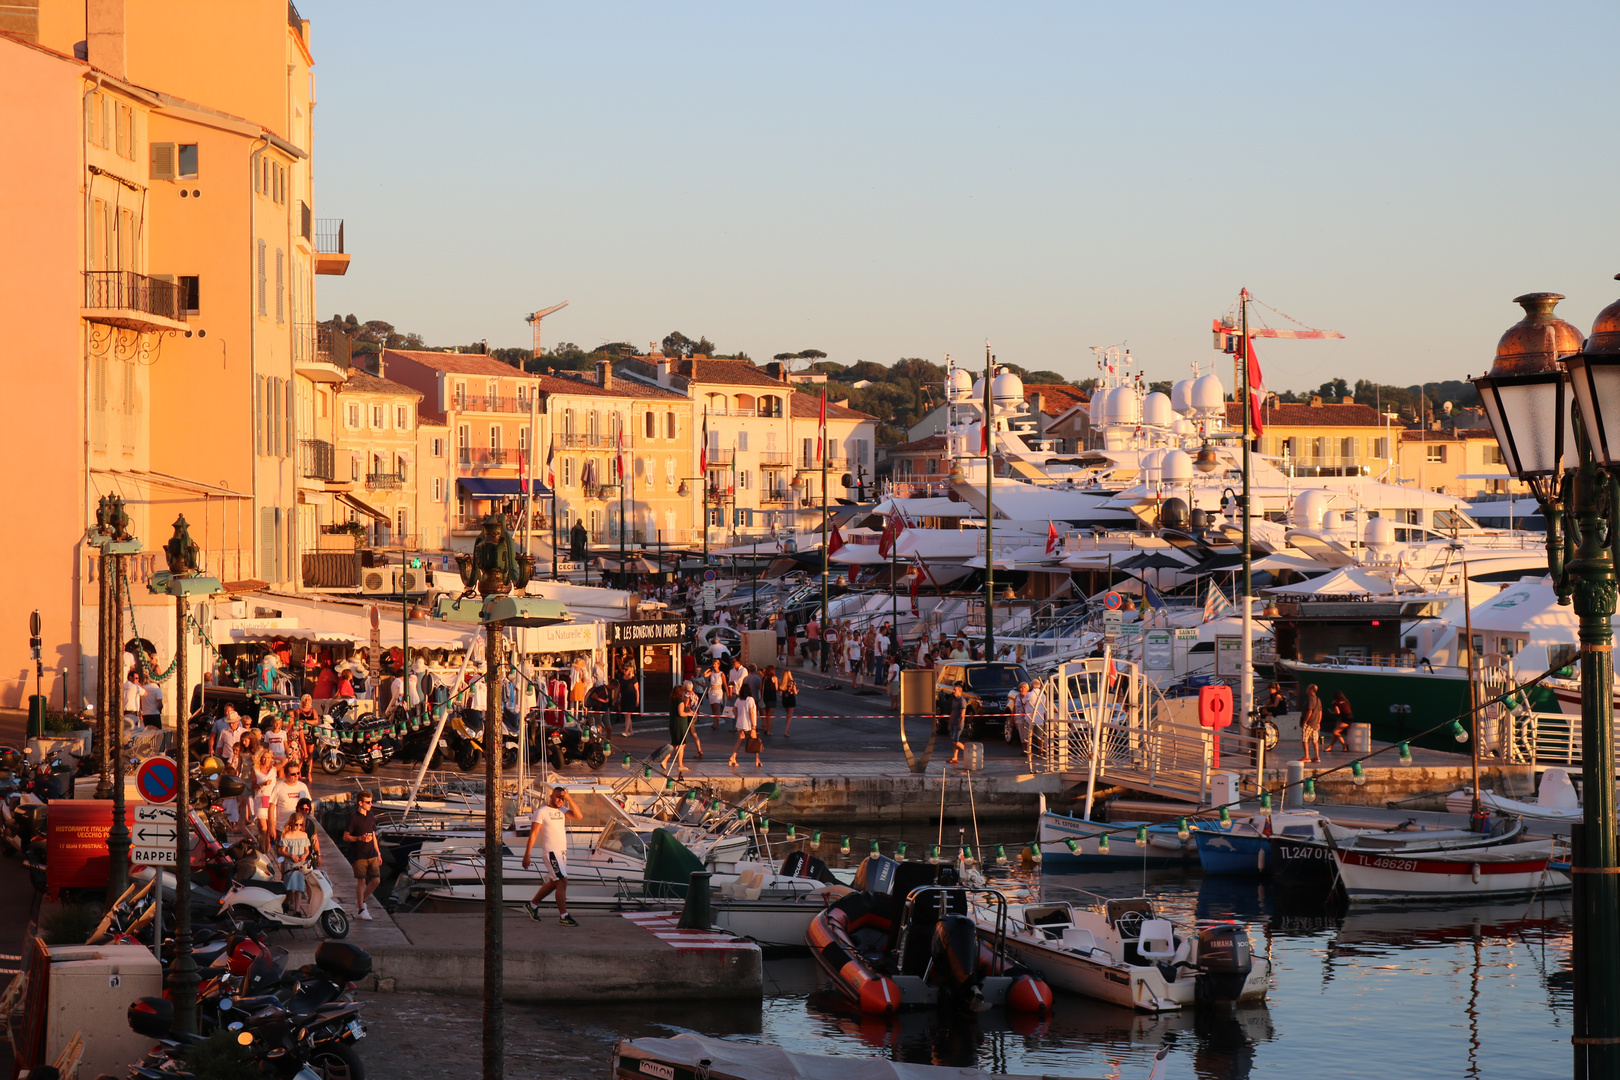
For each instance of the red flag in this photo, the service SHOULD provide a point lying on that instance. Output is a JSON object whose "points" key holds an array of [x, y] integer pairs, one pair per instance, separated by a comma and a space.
{"points": [[916, 585], [834, 543], [551, 469], [618, 462], [821, 426], [703, 451], [984, 439], [1051, 537], [523, 472], [1257, 388], [886, 541]]}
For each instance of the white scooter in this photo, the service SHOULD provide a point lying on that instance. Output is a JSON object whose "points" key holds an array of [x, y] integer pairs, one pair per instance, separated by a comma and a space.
{"points": [[262, 896]]}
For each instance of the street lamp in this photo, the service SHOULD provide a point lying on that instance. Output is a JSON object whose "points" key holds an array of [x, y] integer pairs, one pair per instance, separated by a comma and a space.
{"points": [[1566, 455]]}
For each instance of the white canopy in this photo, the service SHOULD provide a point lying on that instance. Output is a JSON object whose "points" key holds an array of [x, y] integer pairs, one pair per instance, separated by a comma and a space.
{"points": [[1282, 560], [1345, 581], [932, 506]]}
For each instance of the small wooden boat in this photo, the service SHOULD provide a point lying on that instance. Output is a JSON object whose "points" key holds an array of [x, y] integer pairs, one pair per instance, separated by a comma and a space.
{"points": [[1238, 848], [688, 1056], [1123, 952], [906, 939], [1477, 872], [1302, 842]]}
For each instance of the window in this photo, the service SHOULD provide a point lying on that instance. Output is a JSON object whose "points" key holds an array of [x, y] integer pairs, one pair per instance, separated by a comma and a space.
{"points": [[98, 392], [492, 393], [354, 467], [745, 479], [770, 442], [494, 436], [402, 417], [770, 406], [400, 464], [1435, 454], [1381, 448], [568, 426], [438, 489], [568, 472], [1493, 455], [437, 447], [400, 521], [186, 161], [592, 426], [1347, 448], [669, 425], [458, 395], [742, 440], [809, 453], [191, 292], [378, 417], [263, 297], [354, 415], [615, 427], [860, 451], [464, 444], [523, 438], [651, 425], [281, 286], [1319, 447], [669, 471]]}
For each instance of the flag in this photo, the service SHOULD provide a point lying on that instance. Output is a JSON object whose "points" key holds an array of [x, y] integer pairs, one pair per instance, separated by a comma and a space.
{"points": [[1153, 599], [886, 541], [1051, 537], [551, 468], [834, 543], [1110, 672], [1215, 603], [1257, 388], [523, 472], [916, 573], [821, 426], [618, 461], [984, 439]]}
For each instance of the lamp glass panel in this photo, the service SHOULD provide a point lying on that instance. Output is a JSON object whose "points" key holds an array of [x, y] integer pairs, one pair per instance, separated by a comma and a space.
{"points": [[1493, 413], [1530, 413], [1601, 416]]}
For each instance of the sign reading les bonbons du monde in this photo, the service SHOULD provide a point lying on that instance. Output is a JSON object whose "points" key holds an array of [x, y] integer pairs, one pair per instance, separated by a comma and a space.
{"points": [[647, 632]]}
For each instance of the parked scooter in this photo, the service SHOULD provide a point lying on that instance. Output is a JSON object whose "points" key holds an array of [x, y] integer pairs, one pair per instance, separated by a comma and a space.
{"points": [[468, 728], [262, 896], [585, 742]]}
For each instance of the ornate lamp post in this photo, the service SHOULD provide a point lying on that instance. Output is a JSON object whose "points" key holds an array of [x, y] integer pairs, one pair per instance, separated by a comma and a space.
{"points": [[111, 535], [1569, 453]]}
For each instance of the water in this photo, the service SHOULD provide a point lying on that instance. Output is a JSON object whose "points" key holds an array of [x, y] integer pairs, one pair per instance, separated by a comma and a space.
{"points": [[1412, 992]]}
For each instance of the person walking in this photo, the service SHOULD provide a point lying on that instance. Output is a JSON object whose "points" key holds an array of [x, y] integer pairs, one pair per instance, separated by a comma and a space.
{"points": [[852, 659], [790, 699], [1339, 719], [748, 739], [361, 831], [294, 847], [682, 713], [958, 722], [550, 826], [715, 680], [892, 678], [768, 687], [1310, 724], [812, 642], [781, 626], [131, 703], [289, 791], [152, 702]]}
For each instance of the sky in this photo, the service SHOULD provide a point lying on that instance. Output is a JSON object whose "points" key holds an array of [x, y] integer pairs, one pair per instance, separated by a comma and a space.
{"points": [[886, 180]]}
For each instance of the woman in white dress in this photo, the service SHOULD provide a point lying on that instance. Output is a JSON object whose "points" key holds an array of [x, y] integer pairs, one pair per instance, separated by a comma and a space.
{"points": [[747, 714]]}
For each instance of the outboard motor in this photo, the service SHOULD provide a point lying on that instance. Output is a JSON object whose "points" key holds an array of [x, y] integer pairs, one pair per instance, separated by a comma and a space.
{"points": [[805, 865], [1224, 962], [955, 956], [875, 874]]}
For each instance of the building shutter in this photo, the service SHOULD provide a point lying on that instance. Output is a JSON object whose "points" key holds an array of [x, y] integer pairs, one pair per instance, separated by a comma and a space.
{"points": [[267, 543], [258, 416], [263, 310], [292, 404], [163, 160], [281, 285]]}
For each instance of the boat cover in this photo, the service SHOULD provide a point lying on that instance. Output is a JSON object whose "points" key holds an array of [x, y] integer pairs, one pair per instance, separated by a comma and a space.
{"points": [[720, 1059], [670, 866]]}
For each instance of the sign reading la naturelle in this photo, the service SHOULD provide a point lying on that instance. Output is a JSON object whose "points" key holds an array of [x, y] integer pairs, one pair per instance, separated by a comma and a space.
{"points": [[647, 632]]}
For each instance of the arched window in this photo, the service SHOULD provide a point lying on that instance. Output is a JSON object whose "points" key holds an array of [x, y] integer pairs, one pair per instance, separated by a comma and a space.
{"points": [[770, 406], [745, 404]]}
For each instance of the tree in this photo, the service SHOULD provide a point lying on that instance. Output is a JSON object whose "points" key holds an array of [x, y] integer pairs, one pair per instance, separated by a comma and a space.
{"points": [[1046, 378], [676, 343]]}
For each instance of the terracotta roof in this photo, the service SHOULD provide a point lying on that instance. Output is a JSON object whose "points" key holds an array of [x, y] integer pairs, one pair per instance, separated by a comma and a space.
{"points": [[1294, 414], [806, 405], [729, 372], [1058, 397], [1453, 435], [460, 363], [363, 382], [930, 444], [622, 388]]}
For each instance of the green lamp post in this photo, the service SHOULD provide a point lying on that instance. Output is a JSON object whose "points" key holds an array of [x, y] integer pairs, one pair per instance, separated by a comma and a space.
{"points": [[1568, 451]]}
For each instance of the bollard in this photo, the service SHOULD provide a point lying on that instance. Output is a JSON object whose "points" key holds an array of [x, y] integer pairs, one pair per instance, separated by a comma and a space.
{"points": [[695, 913], [1294, 798], [36, 716]]}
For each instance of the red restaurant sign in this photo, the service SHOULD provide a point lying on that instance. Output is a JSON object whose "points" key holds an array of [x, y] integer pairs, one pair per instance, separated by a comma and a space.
{"points": [[76, 843]]}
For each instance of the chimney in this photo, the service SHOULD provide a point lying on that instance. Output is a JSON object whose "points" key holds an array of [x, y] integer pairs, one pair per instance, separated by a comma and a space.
{"points": [[104, 35], [1347, 400], [661, 368], [604, 374], [1316, 401]]}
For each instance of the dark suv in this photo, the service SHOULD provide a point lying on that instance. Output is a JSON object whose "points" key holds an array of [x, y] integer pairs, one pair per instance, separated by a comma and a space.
{"points": [[989, 685]]}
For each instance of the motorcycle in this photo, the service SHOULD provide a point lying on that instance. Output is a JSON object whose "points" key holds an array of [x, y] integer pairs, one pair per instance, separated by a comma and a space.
{"points": [[274, 1045], [586, 742], [260, 895], [469, 741]]}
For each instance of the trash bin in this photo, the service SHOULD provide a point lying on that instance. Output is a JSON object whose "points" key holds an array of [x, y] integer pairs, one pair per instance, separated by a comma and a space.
{"points": [[1360, 738], [36, 716]]}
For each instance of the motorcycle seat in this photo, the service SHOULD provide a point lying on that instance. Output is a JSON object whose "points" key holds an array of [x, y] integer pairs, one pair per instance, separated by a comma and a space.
{"points": [[276, 888], [255, 1003]]}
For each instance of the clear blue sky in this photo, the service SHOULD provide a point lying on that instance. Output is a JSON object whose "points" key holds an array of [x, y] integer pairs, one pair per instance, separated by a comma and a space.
{"points": [[887, 180]]}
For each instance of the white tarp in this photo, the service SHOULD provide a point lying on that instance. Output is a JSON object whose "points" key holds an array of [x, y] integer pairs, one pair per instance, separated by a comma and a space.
{"points": [[724, 1060], [1345, 581]]}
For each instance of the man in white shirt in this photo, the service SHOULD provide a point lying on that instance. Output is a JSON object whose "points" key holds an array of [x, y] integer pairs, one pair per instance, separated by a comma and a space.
{"points": [[285, 795], [550, 827], [225, 742], [735, 677], [132, 698], [396, 696], [223, 720], [152, 703]]}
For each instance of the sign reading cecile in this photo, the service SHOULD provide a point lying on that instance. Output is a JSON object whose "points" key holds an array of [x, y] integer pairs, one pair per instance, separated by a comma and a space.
{"points": [[647, 632]]}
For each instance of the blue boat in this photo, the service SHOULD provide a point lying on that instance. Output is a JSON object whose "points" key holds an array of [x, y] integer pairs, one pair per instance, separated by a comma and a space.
{"points": [[1164, 847], [1241, 849]]}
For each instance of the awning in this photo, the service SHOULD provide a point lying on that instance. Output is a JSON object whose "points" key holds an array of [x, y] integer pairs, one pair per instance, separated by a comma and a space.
{"points": [[349, 500], [492, 487], [174, 483]]}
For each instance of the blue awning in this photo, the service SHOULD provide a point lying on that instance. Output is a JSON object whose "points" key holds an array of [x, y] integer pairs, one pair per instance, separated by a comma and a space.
{"points": [[488, 487]]}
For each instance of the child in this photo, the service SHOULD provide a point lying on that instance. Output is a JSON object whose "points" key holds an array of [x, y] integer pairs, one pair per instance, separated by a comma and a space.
{"points": [[295, 849]]}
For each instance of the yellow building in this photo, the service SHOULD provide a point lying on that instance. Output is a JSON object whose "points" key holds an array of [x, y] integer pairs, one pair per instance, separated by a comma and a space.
{"points": [[377, 448], [1465, 462], [1324, 439]]}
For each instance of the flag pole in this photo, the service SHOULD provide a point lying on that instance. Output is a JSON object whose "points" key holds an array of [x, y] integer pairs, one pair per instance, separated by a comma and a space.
{"points": [[1246, 674], [821, 452]]}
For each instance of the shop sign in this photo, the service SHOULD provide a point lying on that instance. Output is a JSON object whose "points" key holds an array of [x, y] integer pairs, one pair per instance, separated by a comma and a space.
{"points": [[647, 632]]}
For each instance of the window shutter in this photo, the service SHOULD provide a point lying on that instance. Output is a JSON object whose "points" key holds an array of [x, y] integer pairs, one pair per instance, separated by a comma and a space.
{"points": [[258, 416], [267, 543], [263, 310], [291, 415], [281, 286], [163, 155]]}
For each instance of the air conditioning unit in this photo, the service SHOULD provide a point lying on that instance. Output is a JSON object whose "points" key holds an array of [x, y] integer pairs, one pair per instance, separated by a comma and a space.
{"points": [[377, 581], [411, 581]]}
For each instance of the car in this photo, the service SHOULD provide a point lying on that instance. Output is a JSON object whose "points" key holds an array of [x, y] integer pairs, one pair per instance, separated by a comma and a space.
{"points": [[729, 639], [989, 684]]}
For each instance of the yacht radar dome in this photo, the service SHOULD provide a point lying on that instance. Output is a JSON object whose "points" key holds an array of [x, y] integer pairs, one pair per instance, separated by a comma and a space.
{"points": [[1176, 467], [1007, 390], [1178, 397], [1156, 411], [961, 385], [1207, 394]]}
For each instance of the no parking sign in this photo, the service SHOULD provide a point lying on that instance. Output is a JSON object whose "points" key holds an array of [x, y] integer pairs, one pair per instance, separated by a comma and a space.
{"points": [[158, 779]]}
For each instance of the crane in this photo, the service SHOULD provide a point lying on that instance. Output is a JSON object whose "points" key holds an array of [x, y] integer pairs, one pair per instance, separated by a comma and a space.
{"points": [[534, 321]]}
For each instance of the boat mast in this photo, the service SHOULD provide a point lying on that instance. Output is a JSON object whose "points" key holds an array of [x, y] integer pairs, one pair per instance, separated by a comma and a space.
{"points": [[1473, 688], [989, 511], [1246, 674]]}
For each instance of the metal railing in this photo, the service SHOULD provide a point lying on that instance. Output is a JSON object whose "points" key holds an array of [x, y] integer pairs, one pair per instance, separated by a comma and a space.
{"points": [[775, 495], [329, 236], [487, 456], [720, 457], [384, 481], [484, 403], [317, 459], [125, 290], [320, 343], [570, 440], [773, 459]]}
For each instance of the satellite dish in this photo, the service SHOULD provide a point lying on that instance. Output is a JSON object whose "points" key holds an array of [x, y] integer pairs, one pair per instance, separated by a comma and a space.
{"points": [[1446, 408]]}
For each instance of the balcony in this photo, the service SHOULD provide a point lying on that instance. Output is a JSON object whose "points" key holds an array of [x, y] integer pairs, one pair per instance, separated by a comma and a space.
{"points": [[720, 457], [320, 353], [488, 457], [481, 403], [330, 258], [317, 460], [569, 440], [775, 496], [384, 481], [133, 301], [773, 459]]}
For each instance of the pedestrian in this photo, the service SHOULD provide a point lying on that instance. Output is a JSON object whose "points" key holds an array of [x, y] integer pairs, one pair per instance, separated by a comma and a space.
{"points": [[781, 626], [361, 831], [345, 685], [1275, 704], [754, 681], [294, 848], [264, 792], [768, 687], [629, 697], [715, 680], [958, 722], [1310, 724], [852, 659], [1022, 707], [132, 707], [748, 740], [550, 826], [227, 738], [152, 702], [681, 729], [734, 680], [790, 698], [1339, 720], [290, 790], [893, 680], [579, 684], [396, 697], [812, 642], [275, 739], [831, 638]]}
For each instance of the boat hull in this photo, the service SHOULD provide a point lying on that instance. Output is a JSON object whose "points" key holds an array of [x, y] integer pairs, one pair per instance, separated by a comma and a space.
{"points": [[1140, 987], [1232, 852], [1374, 877]]}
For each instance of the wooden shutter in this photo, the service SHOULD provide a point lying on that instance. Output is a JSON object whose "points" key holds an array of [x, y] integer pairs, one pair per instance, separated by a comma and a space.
{"points": [[258, 416], [281, 285], [163, 161], [267, 543], [263, 309]]}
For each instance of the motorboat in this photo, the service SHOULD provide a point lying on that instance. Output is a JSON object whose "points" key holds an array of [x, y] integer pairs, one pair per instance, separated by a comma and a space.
{"points": [[1302, 842], [1124, 952], [905, 938], [1555, 800], [1519, 869]]}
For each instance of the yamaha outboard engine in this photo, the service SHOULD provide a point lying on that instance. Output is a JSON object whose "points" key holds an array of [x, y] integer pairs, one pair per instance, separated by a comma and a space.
{"points": [[955, 957], [1224, 963]]}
